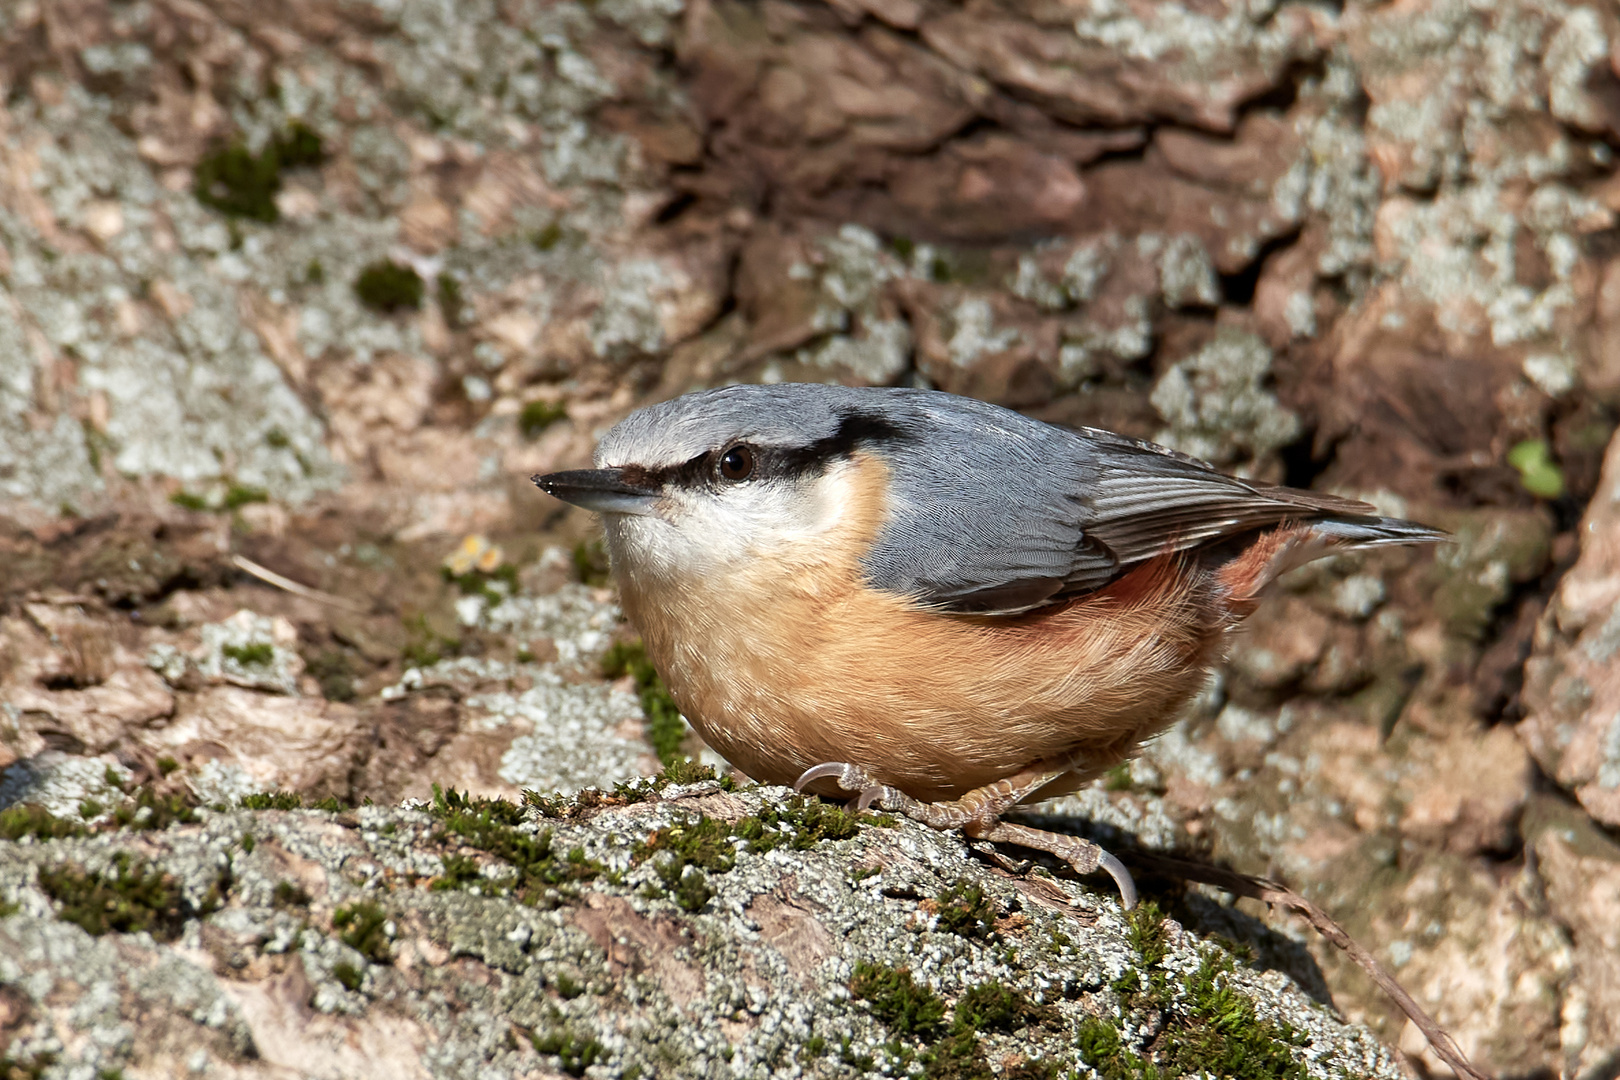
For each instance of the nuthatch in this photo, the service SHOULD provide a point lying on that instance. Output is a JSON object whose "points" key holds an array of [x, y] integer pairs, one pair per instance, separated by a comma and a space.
{"points": [[938, 603]]}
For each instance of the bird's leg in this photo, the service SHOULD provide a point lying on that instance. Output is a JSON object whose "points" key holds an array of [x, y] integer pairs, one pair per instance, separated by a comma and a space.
{"points": [[978, 814]]}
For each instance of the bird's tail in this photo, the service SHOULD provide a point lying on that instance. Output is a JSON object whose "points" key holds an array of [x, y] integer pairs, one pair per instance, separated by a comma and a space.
{"points": [[1291, 546]]}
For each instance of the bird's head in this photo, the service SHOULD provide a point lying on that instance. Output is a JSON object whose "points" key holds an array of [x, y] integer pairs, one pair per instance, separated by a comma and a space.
{"points": [[708, 481]]}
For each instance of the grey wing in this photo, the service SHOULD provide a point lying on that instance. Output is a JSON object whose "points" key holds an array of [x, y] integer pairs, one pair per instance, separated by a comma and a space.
{"points": [[1146, 500], [1016, 517]]}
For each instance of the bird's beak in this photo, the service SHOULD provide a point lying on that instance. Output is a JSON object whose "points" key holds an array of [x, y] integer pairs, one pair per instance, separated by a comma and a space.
{"points": [[604, 490]]}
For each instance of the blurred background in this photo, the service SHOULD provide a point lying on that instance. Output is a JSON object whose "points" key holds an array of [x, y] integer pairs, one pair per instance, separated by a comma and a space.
{"points": [[295, 295]]}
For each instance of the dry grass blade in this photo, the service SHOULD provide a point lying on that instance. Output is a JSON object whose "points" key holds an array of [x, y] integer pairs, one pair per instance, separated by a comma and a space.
{"points": [[270, 577], [1272, 892]]}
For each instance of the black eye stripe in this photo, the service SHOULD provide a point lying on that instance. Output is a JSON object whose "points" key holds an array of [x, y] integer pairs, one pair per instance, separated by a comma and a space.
{"points": [[855, 429]]}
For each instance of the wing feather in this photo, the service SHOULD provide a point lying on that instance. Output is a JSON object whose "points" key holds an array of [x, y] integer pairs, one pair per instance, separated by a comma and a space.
{"points": [[1026, 513]]}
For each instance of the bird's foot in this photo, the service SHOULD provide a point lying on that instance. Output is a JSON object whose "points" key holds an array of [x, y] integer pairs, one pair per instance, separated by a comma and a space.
{"points": [[869, 790], [1085, 856], [978, 814]]}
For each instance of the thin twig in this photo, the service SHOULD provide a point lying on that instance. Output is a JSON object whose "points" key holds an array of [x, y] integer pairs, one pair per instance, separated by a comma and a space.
{"points": [[270, 577], [1272, 892]]}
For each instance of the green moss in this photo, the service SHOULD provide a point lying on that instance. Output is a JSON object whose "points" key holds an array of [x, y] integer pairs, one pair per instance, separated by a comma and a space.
{"points": [[1119, 778], [450, 299], [1539, 474], [272, 800], [1222, 1035], [666, 731], [150, 811], [241, 184], [555, 805], [688, 886], [628, 658], [97, 446], [234, 497], [574, 1052], [862, 1063], [460, 872], [548, 237], [958, 1056], [364, 929], [240, 495], [287, 894], [814, 821], [965, 910], [452, 803], [1206, 1026], [166, 766], [490, 825], [687, 852], [987, 1007], [539, 415], [1100, 1047], [424, 646], [299, 146], [681, 771], [804, 823], [254, 654], [142, 808], [347, 974], [898, 1001], [37, 823], [591, 563], [567, 986], [703, 842], [189, 501], [387, 286], [1146, 932], [992, 1006], [334, 671], [131, 899]]}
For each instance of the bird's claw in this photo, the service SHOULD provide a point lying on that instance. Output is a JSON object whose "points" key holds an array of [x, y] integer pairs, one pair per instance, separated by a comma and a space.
{"points": [[882, 795], [851, 778], [847, 776], [1122, 878]]}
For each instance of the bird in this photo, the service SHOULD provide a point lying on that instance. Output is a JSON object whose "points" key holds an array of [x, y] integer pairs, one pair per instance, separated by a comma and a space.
{"points": [[934, 604]]}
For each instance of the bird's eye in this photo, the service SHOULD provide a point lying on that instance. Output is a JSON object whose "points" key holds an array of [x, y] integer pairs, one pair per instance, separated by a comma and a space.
{"points": [[737, 463]]}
